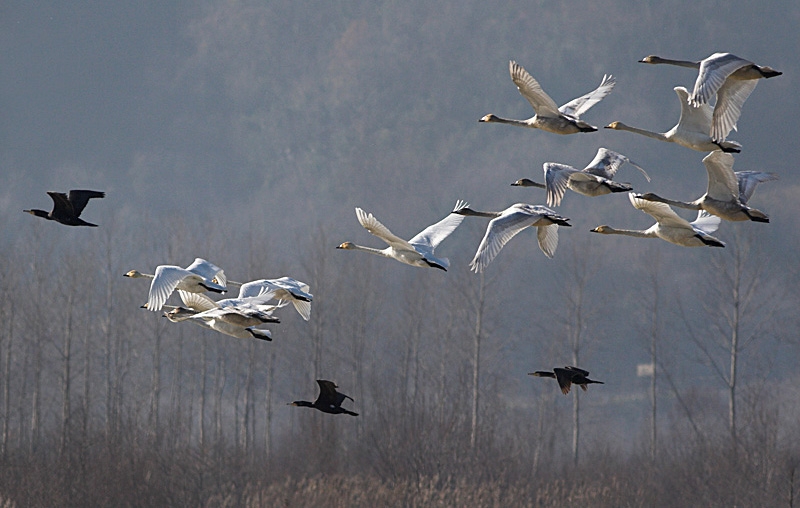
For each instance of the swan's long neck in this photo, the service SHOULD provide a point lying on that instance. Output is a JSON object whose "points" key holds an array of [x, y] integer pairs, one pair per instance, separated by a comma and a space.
{"points": [[525, 182], [668, 61], [491, 118], [476, 213], [627, 232], [680, 204], [379, 252], [650, 134]]}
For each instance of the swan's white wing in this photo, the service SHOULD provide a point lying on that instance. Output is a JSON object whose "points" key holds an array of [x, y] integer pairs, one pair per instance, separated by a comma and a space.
{"points": [[713, 72], [607, 162], [197, 301], [693, 119], [261, 288], [374, 226], [498, 233], [748, 180], [164, 282], [722, 184], [579, 106], [532, 91], [661, 212], [209, 271], [706, 222], [433, 235], [556, 177], [295, 288], [548, 239], [728, 108]]}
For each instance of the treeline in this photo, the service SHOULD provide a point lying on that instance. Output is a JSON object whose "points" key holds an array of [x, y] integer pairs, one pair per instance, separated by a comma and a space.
{"points": [[107, 404]]}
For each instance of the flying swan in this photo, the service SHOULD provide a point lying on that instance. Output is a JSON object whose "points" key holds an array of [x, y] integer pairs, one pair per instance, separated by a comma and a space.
{"points": [[730, 78], [198, 277], [670, 226], [727, 193], [415, 252], [593, 180], [506, 224], [691, 131], [549, 117]]}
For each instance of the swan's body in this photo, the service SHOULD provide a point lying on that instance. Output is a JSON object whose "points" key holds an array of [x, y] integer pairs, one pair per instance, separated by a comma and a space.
{"points": [[727, 193], [594, 180], [567, 377], [179, 314], [329, 400], [198, 277], [506, 224], [670, 226], [549, 117], [68, 208], [692, 130], [730, 78], [419, 251], [285, 289]]}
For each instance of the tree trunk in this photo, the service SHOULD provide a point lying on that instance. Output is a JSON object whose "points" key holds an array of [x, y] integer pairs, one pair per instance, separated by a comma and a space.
{"points": [[66, 377], [476, 361]]}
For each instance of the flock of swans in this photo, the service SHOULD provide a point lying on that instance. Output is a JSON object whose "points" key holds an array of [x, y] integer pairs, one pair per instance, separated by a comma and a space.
{"points": [[723, 78], [701, 127]]}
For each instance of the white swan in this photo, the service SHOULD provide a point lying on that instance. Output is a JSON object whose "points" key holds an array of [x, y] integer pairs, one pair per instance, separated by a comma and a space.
{"points": [[593, 180], [670, 226], [415, 252], [284, 289], [506, 224], [179, 314], [730, 78], [550, 117], [727, 192], [691, 131], [198, 277]]}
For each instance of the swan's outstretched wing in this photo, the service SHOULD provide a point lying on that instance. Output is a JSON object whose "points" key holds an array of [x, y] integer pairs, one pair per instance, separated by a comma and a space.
{"points": [[728, 108], [661, 212], [197, 301], [556, 177], [209, 271], [164, 282], [713, 72], [548, 239], [748, 180], [722, 184], [576, 107], [607, 162], [433, 235], [498, 233], [374, 226], [693, 119], [705, 222], [542, 103]]}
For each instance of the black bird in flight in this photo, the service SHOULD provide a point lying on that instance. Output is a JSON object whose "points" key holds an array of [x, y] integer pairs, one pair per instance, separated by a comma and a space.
{"points": [[329, 400], [67, 208], [567, 376]]}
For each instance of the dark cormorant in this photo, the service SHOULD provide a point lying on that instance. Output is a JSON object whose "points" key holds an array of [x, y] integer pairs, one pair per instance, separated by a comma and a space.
{"points": [[567, 376], [329, 400], [67, 209]]}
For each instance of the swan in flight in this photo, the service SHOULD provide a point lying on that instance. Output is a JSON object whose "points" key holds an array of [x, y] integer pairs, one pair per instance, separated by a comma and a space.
{"points": [[179, 314], [593, 180], [415, 252], [567, 377], [198, 277], [670, 226], [550, 117], [506, 224], [284, 289], [67, 208], [692, 130], [730, 78], [329, 400], [727, 193]]}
